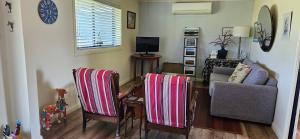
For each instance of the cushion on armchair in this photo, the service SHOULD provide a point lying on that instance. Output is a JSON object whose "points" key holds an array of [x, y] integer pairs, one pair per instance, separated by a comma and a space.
{"points": [[258, 76], [240, 73]]}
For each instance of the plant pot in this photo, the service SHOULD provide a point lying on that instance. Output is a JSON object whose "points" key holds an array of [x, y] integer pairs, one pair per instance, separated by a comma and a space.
{"points": [[222, 53]]}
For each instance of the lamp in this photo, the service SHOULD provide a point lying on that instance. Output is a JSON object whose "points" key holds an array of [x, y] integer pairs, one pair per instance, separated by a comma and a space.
{"points": [[241, 32]]}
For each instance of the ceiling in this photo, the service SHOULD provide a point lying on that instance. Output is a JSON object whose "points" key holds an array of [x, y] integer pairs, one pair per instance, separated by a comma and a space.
{"points": [[187, 0]]}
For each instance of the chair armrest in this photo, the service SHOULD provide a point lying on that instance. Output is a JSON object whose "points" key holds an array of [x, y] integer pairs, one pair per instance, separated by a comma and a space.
{"points": [[193, 101], [193, 104], [223, 70], [246, 102]]}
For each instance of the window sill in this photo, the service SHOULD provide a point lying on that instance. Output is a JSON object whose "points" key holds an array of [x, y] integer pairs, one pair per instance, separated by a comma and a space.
{"points": [[90, 51]]}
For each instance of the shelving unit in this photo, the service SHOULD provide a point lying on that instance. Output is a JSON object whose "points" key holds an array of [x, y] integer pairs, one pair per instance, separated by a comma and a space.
{"points": [[191, 39]]}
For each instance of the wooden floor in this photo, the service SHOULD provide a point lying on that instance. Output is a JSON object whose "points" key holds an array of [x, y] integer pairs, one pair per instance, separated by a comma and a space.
{"points": [[101, 130], [204, 120]]}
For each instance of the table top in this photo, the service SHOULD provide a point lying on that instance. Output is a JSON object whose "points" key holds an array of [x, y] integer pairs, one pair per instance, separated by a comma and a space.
{"points": [[139, 56], [128, 88], [134, 99]]}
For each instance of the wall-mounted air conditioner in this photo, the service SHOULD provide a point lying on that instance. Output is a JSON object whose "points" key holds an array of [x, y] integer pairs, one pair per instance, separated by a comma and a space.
{"points": [[192, 8]]}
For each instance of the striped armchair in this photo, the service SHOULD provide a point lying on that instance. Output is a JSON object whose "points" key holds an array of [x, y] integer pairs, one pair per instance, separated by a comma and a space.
{"points": [[98, 91], [167, 103]]}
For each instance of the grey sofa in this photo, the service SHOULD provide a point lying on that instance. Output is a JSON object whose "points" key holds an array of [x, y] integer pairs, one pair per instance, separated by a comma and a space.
{"points": [[253, 100]]}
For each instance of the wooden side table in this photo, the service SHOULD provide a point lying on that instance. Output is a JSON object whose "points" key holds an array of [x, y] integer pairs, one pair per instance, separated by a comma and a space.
{"points": [[151, 59], [130, 103]]}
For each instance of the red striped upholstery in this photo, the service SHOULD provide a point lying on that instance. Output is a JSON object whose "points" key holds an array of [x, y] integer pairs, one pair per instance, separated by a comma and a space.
{"points": [[94, 90], [165, 99]]}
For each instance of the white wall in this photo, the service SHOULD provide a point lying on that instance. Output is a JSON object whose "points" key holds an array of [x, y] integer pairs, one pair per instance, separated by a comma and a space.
{"points": [[282, 60], [3, 112], [156, 19], [14, 69], [50, 55], [37, 58], [50, 49]]}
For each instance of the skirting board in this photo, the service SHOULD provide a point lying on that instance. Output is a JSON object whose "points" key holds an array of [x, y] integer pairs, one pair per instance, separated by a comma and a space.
{"points": [[73, 108]]}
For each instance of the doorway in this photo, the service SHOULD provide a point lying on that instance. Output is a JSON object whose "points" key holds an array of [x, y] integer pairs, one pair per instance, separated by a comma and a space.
{"points": [[294, 129], [294, 112]]}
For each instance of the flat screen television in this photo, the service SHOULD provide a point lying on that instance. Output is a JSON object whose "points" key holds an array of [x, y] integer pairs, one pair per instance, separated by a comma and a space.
{"points": [[147, 44]]}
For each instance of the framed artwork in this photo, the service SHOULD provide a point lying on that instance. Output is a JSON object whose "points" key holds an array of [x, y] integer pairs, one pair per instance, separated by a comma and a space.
{"points": [[190, 42], [227, 30], [189, 61], [189, 71], [190, 51], [131, 20], [287, 23], [257, 30]]}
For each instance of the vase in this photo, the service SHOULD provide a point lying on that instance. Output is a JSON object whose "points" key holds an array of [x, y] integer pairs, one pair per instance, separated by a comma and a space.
{"points": [[222, 53]]}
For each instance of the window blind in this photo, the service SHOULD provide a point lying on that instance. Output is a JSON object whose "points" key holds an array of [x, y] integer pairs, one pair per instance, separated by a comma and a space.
{"points": [[97, 24]]}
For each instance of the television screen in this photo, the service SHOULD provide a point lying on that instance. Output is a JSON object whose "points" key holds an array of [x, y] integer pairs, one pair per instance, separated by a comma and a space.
{"points": [[147, 44]]}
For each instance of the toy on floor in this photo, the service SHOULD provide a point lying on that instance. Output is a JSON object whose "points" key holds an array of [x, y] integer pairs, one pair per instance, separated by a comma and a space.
{"points": [[13, 135], [17, 134], [57, 112], [6, 131]]}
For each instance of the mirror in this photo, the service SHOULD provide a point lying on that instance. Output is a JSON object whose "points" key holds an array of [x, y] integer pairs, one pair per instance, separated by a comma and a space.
{"points": [[264, 32]]}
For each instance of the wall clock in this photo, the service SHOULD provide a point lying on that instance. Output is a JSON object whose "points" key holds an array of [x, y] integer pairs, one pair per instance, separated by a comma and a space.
{"points": [[48, 11]]}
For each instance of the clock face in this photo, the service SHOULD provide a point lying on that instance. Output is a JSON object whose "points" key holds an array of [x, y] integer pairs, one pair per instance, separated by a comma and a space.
{"points": [[48, 11]]}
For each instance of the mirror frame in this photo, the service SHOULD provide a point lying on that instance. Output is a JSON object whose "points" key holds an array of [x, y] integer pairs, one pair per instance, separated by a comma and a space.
{"points": [[262, 45]]}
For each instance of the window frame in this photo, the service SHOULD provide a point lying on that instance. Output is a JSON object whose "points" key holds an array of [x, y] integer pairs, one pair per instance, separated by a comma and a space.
{"points": [[94, 50]]}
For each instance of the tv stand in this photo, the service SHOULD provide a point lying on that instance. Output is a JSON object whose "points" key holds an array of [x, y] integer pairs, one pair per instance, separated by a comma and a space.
{"points": [[147, 55], [151, 58]]}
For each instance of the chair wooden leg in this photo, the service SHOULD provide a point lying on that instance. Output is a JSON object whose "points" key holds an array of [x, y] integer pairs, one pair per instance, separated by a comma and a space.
{"points": [[187, 136], [141, 121], [132, 121], [118, 129], [125, 125], [146, 131], [84, 121], [125, 116]]}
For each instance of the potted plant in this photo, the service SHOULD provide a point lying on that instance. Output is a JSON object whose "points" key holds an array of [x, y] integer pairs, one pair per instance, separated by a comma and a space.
{"points": [[223, 41]]}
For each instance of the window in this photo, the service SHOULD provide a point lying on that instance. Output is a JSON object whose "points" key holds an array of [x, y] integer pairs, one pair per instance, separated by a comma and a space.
{"points": [[98, 25]]}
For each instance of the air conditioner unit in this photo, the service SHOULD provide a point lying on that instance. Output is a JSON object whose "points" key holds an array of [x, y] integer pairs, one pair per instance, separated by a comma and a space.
{"points": [[192, 8]]}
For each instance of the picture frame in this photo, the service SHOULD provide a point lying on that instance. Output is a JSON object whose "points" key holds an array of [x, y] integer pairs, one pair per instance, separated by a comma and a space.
{"points": [[131, 20], [228, 30], [257, 29], [190, 42], [190, 51], [189, 61], [287, 24], [190, 71]]}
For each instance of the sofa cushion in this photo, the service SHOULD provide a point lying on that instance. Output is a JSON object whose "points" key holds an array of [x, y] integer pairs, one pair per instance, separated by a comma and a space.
{"points": [[240, 73], [257, 76]]}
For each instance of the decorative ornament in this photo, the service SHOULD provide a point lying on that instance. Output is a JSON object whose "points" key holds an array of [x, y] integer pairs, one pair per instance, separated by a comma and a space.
{"points": [[223, 41], [48, 11]]}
